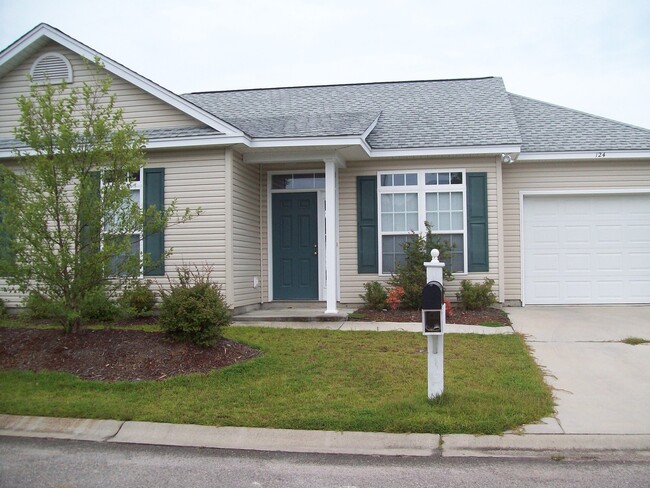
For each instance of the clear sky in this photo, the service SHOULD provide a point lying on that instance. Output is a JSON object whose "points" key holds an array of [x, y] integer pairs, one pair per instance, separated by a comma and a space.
{"points": [[591, 55]]}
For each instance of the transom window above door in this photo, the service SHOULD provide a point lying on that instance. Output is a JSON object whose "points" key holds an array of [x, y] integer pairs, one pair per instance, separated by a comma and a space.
{"points": [[298, 181], [409, 198]]}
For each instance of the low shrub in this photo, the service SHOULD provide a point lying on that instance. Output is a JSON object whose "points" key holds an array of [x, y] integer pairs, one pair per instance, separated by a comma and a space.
{"points": [[375, 296], [411, 275], [476, 296], [395, 296], [138, 300], [3, 308], [194, 310], [96, 305], [38, 306]]}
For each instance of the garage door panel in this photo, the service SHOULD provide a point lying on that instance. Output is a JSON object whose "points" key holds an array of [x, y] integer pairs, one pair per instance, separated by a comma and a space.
{"points": [[637, 261], [586, 249], [638, 234], [579, 234], [578, 263], [639, 290], [578, 290]]}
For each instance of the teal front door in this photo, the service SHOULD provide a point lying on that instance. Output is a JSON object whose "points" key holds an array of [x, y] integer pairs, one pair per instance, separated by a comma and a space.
{"points": [[295, 246]]}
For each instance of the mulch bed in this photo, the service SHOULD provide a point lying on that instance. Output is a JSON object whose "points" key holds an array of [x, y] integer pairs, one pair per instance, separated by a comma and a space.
{"points": [[135, 355], [113, 354], [467, 317]]}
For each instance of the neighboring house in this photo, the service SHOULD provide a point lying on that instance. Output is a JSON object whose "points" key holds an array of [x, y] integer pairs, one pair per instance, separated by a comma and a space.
{"points": [[308, 192]]}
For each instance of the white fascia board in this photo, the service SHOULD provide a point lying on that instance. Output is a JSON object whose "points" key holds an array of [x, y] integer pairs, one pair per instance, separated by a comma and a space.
{"points": [[117, 69], [371, 127], [307, 156], [445, 151], [582, 155], [196, 141], [309, 142]]}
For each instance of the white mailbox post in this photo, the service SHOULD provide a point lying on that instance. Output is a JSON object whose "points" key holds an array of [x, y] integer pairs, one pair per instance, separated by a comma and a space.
{"points": [[433, 324]]}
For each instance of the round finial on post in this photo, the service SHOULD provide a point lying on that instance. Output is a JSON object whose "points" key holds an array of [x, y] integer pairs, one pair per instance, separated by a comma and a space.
{"points": [[434, 255]]}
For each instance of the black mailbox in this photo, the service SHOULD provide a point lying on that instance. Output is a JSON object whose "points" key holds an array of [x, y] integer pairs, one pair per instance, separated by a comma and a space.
{"points": [[433, 310]]}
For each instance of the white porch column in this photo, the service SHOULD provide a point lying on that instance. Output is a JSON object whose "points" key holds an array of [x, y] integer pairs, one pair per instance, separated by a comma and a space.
{"points": [[331, 239]]}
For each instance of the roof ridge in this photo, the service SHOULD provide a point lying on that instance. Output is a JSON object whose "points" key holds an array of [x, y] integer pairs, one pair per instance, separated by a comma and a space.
{"points": [[594, 116], [341, 84]]}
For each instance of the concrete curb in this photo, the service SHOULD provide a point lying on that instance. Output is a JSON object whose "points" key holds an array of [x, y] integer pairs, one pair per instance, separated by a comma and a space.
{"points": [[325, 442], [59, 428], [536, 445], [321, 442]]}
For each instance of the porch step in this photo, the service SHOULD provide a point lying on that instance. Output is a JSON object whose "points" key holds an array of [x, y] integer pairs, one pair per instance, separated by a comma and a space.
{"points": [[294, 314], [294, 305]]}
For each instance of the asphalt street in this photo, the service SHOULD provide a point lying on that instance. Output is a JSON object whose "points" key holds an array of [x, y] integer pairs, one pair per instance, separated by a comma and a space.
{"points": [[28, 462]]}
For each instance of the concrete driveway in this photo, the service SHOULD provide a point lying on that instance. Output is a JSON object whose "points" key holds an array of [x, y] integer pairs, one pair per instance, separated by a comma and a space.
{"points": [[601, 386]]}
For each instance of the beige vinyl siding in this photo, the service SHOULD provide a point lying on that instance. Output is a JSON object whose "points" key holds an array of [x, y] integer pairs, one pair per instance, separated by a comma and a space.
{"points": [[149, 111], [245, 235], [351, 281], [560, 176], [195, 178]]}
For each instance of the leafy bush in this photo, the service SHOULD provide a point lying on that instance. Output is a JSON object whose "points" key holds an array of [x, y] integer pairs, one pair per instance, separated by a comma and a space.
{"points": [[395, 296], [3, 308], [138, 300], [411, 276], [194, 310], [96, 305], [476, 296], [40, 307], [375, 296]]}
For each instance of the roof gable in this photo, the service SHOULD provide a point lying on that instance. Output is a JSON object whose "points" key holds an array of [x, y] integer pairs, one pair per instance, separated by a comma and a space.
{"points": [[44, 34]]}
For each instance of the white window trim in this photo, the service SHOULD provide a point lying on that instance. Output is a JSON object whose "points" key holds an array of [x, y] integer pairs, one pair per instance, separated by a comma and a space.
{"points": [[421, 189], [134, 185]]}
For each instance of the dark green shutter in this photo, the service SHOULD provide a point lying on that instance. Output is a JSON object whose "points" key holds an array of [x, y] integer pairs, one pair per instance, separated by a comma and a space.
{"points": [[154, 244], [477, 222], [7, 258], [367, 257], [90, 224]]}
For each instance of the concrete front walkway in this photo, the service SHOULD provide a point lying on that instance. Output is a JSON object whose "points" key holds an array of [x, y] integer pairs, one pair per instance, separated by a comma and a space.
{"points": [[601, 385]]}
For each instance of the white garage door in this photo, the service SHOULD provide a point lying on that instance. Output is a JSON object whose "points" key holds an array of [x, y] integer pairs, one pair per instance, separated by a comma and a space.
{"points": [[586, 249]]}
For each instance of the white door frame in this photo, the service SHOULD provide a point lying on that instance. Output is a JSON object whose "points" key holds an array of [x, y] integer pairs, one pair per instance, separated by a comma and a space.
{"points": [[320, 206]]}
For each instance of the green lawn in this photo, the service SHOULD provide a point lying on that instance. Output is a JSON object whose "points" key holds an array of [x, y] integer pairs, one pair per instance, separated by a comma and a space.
{"points": [[316, 379]]}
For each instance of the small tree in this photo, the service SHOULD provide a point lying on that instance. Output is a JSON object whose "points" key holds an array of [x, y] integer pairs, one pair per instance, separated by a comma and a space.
{"points": [[68, 210], [411, 276]]}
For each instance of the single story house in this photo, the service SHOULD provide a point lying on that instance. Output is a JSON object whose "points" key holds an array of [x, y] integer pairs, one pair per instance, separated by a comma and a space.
{"points": [[309, 192]]}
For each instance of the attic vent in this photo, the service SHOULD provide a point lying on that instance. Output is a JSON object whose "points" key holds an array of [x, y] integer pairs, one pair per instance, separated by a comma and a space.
{"points": [[52, 67]]}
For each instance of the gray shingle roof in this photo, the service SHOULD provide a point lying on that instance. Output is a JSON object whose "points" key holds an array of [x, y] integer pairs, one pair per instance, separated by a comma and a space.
{"points": [[472, 112], [174, 132], [308, 124], [550, 128]]}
